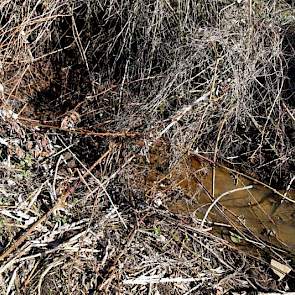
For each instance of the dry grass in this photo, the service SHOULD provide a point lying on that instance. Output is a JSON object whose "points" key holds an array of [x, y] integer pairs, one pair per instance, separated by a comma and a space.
{"points": [[99, 82]]}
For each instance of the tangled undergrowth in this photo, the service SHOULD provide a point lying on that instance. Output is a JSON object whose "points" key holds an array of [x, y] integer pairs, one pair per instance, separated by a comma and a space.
{"points": [[87, 89]]}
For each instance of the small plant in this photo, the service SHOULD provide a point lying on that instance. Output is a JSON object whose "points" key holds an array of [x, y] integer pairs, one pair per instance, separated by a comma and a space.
{"points": [[235, 238], [157, 230], [25, 165]]}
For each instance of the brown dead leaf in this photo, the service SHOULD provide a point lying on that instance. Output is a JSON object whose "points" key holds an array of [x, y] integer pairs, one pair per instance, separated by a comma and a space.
{"points": [[281, 270]]}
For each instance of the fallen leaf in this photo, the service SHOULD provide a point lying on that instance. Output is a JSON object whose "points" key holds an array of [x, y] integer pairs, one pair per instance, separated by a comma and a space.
{"points": [[281, 270]]}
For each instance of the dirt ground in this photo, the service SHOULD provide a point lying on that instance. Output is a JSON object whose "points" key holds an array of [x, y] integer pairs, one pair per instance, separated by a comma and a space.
{"points": [[147, 147]]}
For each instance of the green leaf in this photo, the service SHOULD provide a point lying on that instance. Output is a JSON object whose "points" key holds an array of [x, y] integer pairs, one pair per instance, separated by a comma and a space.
{"points": [[235, 238], [157, 230]]}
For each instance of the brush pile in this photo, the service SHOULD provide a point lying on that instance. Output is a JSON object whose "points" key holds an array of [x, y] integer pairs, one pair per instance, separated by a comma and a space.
{"points": [[89, 90]]}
